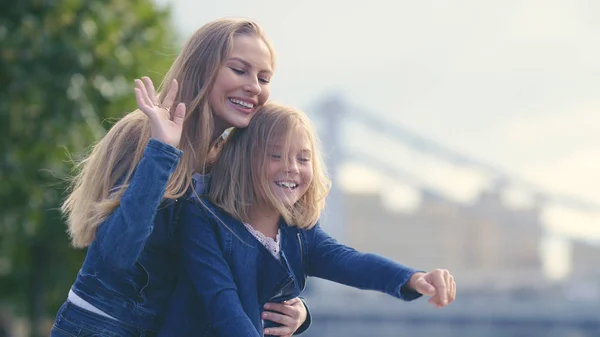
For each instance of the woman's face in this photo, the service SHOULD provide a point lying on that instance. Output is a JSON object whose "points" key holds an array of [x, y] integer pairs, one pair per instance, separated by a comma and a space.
{"points": [[242, 84]]}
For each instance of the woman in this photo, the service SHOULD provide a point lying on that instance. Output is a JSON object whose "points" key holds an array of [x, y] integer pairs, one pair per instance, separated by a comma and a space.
{"points": [[123, 202]]}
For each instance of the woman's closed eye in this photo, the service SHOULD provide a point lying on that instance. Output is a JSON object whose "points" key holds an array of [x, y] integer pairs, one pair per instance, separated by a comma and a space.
{"points": [[262, 79], [237, 71]]}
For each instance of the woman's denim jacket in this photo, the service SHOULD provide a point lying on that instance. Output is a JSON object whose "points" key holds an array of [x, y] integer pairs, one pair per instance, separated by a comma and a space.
{"points": [[129, 271], [234, 275]]}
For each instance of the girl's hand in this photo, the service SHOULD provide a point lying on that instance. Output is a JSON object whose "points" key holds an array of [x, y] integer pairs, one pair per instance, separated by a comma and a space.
{"points": [[166, 126], [439, 284], [290, 314]]}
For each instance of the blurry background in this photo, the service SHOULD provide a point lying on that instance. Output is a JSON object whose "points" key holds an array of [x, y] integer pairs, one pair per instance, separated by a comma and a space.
{"points": [[462, 135]]}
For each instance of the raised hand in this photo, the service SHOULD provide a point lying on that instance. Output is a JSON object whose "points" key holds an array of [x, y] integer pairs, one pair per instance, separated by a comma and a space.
{"points": [[165, 127]]}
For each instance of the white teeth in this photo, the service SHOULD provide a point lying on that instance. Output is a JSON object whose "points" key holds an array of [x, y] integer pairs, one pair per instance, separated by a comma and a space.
{"points": [[242, 103], [287, 184]]}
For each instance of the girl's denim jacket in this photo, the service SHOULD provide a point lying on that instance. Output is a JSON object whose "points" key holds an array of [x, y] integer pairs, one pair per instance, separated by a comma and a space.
{"points": [[233, 275]]}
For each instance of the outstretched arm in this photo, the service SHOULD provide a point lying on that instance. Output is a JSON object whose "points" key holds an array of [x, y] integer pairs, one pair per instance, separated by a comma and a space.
{"points": [[333, 261]]}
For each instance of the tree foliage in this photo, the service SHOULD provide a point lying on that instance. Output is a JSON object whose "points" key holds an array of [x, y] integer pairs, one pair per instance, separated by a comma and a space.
{"points": [[66, 70]]}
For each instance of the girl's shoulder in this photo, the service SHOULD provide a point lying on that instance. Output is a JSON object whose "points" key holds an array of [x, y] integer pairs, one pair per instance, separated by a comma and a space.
{"points": [[295, 230], [199, 205], [194, 202]]}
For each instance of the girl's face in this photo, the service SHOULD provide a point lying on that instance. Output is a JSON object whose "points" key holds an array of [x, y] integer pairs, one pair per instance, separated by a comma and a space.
{"points": [[242, 83], [289, 178]]}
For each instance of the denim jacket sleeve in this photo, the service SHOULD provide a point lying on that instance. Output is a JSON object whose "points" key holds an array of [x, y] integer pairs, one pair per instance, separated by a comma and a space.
{"points": [[126, 230], [333, 261], [204, 261]]}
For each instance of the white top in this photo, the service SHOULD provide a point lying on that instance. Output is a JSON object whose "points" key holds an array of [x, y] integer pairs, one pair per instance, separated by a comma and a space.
{"points": [[271, 244], [80, 302]]}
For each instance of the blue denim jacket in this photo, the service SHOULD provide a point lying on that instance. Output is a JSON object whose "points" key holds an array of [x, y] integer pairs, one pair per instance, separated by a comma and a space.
{"points": [[234, 275], [129, 271]]}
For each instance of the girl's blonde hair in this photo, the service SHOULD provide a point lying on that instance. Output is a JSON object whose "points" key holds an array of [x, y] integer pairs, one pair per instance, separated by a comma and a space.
{"points": [[105, 174], [239, 174]]}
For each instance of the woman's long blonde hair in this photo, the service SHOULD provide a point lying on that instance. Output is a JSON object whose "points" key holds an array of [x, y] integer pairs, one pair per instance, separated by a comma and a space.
{"points": [[102, 177], [239, 180]]}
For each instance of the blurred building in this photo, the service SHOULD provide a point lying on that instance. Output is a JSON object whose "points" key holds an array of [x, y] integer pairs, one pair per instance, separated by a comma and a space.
{"points": [[485, 243], [585, 260]]}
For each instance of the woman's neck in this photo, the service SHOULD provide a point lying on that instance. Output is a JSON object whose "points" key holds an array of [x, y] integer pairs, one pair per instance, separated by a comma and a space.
{"points": [[218, 129], [265, 220]]}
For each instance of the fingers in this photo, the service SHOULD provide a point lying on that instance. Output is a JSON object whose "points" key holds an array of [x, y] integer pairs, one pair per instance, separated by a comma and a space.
{"points": [[143, 104], [439, 282], [150, 90], [147, 101], [451, 289], [279, 331], [170, 98], [445, 287], [424, 287], [288, 314], [288, 324], [143, 100], [283, 308], [179, 114], [293, 301], [144, 93]]}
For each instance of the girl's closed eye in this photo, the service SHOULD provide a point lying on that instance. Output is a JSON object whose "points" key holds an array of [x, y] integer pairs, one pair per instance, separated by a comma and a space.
{"points": [[275, 156], [237, 71]]}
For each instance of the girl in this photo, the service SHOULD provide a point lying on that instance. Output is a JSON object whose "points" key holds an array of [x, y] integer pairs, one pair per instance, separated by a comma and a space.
{"points": [[255, 237], [123, 203]]}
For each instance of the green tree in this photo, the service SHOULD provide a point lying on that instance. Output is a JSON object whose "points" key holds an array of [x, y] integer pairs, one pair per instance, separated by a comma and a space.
{"points": [[66, 70]]}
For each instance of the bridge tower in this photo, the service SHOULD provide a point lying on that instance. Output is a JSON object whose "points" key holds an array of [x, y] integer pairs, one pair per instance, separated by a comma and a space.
{"points": [[331, 112]]}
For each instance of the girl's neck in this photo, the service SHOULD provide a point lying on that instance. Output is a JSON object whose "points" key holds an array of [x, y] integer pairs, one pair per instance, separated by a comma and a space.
{"points": [[265, 220]]}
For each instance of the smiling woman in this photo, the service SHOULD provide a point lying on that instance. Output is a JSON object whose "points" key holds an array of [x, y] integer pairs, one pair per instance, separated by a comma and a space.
{"points": [[123, 204], [242, 83]]}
